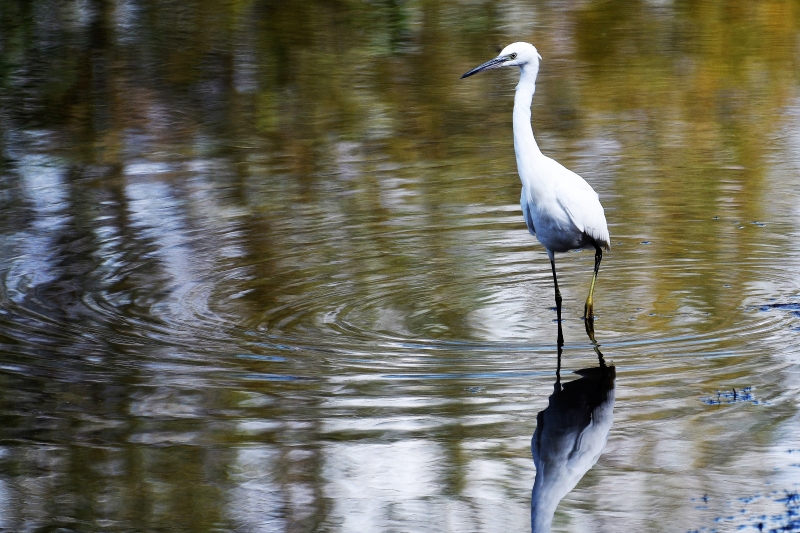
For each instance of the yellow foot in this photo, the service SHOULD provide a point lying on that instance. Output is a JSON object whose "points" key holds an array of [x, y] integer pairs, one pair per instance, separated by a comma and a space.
{"points": [[589, 323], [588, 310]]}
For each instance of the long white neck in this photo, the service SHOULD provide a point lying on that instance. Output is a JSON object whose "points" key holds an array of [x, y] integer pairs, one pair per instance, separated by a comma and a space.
{"points": [[524, 144]]}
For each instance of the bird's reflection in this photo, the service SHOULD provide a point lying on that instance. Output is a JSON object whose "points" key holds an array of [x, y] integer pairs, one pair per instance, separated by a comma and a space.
{"points": [[570, 434]]}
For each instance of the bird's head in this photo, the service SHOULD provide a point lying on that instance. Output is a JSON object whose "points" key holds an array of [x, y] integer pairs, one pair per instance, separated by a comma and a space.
{"points": [[523, 55]]}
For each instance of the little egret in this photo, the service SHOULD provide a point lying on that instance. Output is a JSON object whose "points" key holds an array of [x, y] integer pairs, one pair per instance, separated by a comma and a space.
{"points": [[561, 210]]}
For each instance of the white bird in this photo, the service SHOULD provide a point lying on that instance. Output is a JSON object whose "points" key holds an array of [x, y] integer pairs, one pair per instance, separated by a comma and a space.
{"points": [[561, 210]]}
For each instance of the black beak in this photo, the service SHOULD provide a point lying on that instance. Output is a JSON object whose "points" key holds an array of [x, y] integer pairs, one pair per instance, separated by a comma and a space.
{"points": [[497, 62]]}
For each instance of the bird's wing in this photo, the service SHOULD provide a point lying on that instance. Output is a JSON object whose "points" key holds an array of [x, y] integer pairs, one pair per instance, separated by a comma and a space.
{"points": [[526, 211], [587, 214], [582, 204]]}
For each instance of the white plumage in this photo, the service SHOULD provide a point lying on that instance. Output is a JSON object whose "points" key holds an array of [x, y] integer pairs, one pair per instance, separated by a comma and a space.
{"points": [[573, 217], [561, 210]]}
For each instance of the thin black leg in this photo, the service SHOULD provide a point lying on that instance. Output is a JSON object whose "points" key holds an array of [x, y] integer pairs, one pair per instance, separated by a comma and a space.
{"points": [[558, 302], [560, 344]]}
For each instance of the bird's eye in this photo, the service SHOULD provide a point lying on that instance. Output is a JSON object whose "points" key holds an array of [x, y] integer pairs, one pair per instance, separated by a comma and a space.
{"points": [[513, 56]]}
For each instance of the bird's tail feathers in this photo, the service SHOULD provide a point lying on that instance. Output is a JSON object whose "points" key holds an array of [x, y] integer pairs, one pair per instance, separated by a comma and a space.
{"points": [[600, 236]]}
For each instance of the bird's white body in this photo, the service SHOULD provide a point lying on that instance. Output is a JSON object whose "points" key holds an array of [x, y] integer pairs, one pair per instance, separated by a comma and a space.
{"points": [[560, 208]]}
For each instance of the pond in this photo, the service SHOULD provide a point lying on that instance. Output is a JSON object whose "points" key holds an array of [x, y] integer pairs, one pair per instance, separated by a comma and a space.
{"points": [[264, 268]]}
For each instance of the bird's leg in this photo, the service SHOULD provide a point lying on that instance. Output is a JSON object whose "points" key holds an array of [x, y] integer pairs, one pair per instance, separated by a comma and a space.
{"points": [[590, 332], [557, 386], [588, 310], [600, 358], [589, 323], [558, 302]]}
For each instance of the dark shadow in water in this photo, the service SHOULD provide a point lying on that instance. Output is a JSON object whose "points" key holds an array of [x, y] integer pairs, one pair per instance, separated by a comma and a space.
{"points": [[570, 434]]}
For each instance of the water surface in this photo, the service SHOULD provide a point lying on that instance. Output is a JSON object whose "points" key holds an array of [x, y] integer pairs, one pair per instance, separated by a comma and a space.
{"points": [[263, 265]]}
